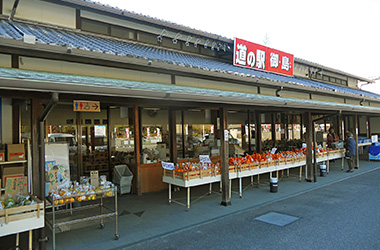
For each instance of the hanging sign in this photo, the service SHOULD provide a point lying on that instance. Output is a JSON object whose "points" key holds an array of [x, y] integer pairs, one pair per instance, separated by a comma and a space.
{"points": [[167, 165], [256, 56], [204, 159], [86, 106]]}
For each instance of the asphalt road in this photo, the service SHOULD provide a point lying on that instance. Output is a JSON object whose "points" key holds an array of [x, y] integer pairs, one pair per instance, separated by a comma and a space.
{"points": [[343, 215]]}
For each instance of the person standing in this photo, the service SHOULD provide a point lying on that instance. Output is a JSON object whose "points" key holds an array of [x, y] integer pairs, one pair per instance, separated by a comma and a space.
{"points": [[332, 137], [350, 152]]}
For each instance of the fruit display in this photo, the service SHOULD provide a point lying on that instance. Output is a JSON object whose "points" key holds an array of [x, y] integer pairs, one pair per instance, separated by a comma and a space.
{"points": [[10, 202], [194, 166], [82, 192]]}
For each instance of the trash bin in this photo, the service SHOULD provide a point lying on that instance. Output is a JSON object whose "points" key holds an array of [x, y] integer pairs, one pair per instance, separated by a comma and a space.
{"points": [[122, 177], [323, 170], [273, 184]]}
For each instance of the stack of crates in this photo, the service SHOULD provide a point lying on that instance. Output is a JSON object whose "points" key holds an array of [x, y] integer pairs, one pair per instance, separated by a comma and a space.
{"points": [[122, 177]]}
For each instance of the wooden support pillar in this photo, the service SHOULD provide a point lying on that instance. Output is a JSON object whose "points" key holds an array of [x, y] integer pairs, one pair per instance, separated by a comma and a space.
{"points": [[137, 147], [183, 134], [356, 137], [36, 111], [273, 126], [226, 199], [16, 122], [172, 136], [249, 131], [286, 127], [109, 137], [309, 144], [368, 127], [258, 132], [301, 124], [80, 149]]}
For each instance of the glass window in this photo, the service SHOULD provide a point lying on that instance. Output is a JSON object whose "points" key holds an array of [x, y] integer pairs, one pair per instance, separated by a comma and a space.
{"points": [[154, 134]]}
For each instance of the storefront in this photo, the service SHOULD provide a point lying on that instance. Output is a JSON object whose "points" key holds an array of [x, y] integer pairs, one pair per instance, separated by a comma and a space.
{"points": [[142, 98]]}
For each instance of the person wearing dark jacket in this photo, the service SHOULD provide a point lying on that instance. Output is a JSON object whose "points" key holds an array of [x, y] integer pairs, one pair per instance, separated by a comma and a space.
{"points": [[350, 152]]}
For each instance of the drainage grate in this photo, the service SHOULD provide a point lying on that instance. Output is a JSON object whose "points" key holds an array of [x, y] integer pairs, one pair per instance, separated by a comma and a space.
{"points": [[277, 219]]}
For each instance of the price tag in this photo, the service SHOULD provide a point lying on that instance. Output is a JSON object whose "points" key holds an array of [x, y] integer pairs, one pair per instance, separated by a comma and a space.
{"points": [[167, 165], [226, 135], [204, 159], [273, 151], [94, 178]]}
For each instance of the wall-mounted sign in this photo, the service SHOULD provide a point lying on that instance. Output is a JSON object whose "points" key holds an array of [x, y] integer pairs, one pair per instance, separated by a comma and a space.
{"points": [[86, 106], [256, 56]]}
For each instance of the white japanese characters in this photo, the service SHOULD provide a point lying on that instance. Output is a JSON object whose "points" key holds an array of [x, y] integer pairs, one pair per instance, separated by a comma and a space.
{"points": [[241, 54], [274, 58], [256, 56]]}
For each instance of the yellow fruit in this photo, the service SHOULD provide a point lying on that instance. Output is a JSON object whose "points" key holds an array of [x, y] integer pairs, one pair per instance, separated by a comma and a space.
{"points": [[61, 201], [56, 202], [72, 199]]}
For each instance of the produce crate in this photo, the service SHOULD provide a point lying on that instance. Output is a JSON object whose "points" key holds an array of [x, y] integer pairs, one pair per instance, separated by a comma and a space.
{"points": [[21, 219], [248, 166], [197, 174], [290, 160]]}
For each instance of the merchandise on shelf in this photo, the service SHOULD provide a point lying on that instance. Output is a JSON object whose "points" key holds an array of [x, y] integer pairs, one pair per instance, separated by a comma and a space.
{"points": [[82, 192]]}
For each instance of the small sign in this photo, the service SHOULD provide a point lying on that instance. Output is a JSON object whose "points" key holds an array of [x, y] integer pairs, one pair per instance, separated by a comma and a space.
{"points": [[17, 185], [94, 178], [100, 130], [204, 159], [226, 135], [167, 165], [273, 151], [86, 106], [374, 138]]}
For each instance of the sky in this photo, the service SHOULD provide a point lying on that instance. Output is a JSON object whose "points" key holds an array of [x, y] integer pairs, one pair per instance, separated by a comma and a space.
{"points": [[341, 34]]}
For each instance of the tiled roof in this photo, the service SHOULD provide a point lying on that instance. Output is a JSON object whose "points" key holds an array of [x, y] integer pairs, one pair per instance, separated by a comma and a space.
{"points": [[61, 37]]}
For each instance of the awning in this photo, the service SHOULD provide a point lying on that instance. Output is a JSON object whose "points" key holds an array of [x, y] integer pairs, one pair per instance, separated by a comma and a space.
{"points": [[37, 81]]}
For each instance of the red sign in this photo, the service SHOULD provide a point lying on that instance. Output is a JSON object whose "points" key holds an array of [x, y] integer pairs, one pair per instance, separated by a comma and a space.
{"points": [[256, 56]]}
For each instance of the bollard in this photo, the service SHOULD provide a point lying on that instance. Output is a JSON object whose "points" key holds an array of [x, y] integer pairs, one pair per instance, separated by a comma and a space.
{"points": [[273, 184], [323, 170]]}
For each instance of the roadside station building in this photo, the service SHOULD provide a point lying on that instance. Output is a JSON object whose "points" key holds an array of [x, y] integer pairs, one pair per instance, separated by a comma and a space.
{"points": [[122, 87]]}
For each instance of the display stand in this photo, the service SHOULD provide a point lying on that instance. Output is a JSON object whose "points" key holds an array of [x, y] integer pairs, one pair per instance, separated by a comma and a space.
{"points": [[22, 219], [209, 176], [105, 212]]}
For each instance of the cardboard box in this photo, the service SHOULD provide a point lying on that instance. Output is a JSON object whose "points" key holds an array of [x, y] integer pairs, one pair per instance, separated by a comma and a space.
{"points": [[15, 152], [12, 172], [2, 155]]}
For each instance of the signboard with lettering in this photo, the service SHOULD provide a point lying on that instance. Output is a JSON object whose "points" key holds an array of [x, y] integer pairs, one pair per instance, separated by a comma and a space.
{"points": [[57, 165], [256, 56], [86, 106], [167, 165], [17, 185], [204, 159]]}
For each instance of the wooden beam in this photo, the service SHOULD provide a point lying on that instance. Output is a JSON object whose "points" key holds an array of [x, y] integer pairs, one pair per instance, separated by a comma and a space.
{"points": [[79, 139], [258, 135], [356, 137], [309, 144], [172, 135], [273, 126], [301, 124], [368, 127], [249, 131], [226, 199], [36, 111], [137, 145], [78, 20]]}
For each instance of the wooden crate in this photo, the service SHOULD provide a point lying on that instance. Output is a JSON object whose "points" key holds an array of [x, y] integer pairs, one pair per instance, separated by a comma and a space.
{"points": [[197, 174], [248, 166], [20, 219]]}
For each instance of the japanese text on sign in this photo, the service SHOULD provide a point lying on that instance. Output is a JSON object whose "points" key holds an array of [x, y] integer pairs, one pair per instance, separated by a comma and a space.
{"points": [[256, 56]]}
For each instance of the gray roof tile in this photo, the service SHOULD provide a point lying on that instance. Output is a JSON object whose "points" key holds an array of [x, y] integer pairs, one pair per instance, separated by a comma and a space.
{"points": [[60, 37]]}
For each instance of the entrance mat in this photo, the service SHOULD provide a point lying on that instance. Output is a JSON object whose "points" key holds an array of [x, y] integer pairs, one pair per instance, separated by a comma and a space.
{"points": [[277, 219]]}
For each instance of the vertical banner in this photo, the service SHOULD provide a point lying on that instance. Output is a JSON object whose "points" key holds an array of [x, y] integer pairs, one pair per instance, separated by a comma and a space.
{"points": [[256, 56]]}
